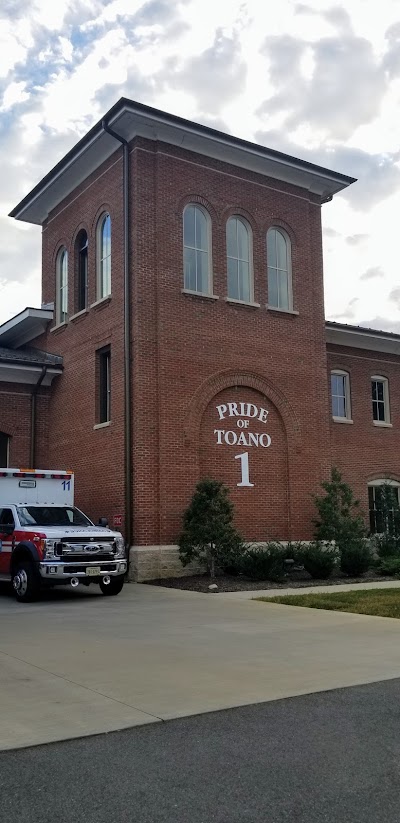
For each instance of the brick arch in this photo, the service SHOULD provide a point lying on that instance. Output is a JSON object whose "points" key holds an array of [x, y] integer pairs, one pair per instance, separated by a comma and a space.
{"points": [[199, 200], [280, 223], [224, 380], [383, 475], [238, 211]]}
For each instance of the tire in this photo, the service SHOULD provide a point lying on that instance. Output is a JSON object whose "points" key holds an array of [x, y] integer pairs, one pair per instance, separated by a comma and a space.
{"points": [[114, 586], [25, 581]]}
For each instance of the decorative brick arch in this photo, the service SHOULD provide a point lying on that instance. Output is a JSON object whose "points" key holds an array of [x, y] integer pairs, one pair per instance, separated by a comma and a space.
{"points": [[383, 475], [225, 380]]}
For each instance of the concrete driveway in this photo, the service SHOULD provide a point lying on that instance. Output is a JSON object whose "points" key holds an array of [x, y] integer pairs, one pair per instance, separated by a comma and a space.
{"points": [[79, 663]]}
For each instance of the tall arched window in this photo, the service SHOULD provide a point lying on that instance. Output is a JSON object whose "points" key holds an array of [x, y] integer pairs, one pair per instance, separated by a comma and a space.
{"points": [[383, 500], [81, 251], [62, 286], [238, 246], [4, 449], [104, 256], [279, 270], [196, 249]]}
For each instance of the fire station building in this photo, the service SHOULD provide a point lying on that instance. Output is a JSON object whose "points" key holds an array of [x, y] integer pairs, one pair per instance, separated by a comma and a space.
{"points": [[182, 335]]}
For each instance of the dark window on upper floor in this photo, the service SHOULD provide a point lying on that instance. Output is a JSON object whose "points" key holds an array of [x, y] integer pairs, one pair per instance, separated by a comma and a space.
{"points": [[104, 385], [81, 251]]}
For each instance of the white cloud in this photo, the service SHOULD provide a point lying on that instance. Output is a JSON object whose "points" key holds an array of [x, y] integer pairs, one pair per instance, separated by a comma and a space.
{"points": [[13, 94]]}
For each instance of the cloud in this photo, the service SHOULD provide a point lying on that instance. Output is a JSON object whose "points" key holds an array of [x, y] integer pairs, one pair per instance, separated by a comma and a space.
{"points": [[394, 296], [356, 239], [349, 312], [324, 98], [372, 273], [329, 232], [215, 76], [380, 323]]}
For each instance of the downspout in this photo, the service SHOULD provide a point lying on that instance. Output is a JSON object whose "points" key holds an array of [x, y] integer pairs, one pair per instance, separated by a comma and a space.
{"points": [[33, 417], [127, 342]]}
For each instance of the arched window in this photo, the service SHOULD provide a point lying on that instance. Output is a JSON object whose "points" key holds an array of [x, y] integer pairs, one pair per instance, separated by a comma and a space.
{"points": [[340, 395], [81, 251], [196, 249], [62, 286], [104, 256], [279, 270], [383, 500], [4, 449], [238, 247]]}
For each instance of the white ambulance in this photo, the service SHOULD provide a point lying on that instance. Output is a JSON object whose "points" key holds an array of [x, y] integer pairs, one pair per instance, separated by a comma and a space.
{"points": [[46, 541]]}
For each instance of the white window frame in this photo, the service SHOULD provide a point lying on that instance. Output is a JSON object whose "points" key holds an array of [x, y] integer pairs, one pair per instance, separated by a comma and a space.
{"points": [[103, 288], [247, 226], [62, 286], [382, 481], [289, 269], [204, 211], [347, 418], [386, 423]]}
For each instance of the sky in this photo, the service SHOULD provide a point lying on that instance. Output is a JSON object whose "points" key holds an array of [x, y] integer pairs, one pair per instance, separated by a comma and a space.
{"points": [[318, 80]]}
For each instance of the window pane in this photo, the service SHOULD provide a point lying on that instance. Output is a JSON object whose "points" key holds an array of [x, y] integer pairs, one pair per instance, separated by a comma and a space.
{"points": [[106, 236], [273, 287], [243, 241], [233, 284], [231, 238], [202, 271], [271, 248], [281, 250], [380, 394], [190, 269], [283, 294], [188, 226], [244, 281], [201, 231]]}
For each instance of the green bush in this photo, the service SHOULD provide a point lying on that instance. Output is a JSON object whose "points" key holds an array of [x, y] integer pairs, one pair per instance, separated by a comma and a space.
{"points": [[266, 563], [386, 544], [318, 558], [389, 566], [208, 532], [340, 519], [355, 558]]}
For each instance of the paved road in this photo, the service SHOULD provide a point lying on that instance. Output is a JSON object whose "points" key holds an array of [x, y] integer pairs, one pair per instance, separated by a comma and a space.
{"points": [[331, 757], [77, 664]]}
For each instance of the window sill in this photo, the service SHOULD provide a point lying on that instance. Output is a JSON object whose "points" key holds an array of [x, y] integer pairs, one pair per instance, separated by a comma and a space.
{"points": [[102, 425], [281, 311], [382, 424], [342, 420], [200, 294], [102, 302], [59, 326], [249, 304], [80, 313]]}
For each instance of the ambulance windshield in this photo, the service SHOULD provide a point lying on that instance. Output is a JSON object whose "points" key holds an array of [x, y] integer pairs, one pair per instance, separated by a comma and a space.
{"points": [[52, 516]]}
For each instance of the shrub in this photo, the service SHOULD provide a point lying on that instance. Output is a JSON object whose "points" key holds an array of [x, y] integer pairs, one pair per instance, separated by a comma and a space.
{"points": [[208, 532], [319, 559], [266, 563], [386, 544], [339, 517], [389, 566], [355, 558]]}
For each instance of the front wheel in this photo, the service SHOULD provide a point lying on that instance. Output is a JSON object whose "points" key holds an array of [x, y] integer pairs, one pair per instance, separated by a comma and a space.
{"points": [[114, 586], [25, 582]]}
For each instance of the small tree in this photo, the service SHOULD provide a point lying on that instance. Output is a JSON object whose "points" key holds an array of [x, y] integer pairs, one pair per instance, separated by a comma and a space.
{"points": [[339, 516], [208, 533]]}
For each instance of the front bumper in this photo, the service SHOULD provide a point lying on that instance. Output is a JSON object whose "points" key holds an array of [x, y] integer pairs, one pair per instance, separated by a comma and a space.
{"points": [[58, 570]]}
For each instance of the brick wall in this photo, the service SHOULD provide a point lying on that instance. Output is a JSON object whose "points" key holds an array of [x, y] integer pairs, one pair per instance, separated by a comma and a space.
{"points": [[188, 352], [15, 421]]}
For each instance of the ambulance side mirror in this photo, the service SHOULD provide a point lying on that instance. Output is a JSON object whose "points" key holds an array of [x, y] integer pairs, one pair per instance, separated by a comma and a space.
{"points": [[103, 522]]}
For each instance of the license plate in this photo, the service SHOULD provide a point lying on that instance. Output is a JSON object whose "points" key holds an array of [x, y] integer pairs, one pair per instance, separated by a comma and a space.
{"points": [[93, 571]]}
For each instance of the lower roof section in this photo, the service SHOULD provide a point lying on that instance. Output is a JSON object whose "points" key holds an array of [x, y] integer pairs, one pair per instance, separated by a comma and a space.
{"points": [[359, 337]]}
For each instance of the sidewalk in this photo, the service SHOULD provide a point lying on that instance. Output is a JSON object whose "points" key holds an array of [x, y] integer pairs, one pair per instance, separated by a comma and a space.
{"points": [[340, 587]]}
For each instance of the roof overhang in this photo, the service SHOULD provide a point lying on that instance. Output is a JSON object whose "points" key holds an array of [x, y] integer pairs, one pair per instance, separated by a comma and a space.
{"points": [[132, 120], [358, 337], [27, 373], [24, 327]]}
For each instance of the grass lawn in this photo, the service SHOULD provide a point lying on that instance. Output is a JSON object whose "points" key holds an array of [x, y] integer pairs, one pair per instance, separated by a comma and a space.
{"points": [[381, 602]]}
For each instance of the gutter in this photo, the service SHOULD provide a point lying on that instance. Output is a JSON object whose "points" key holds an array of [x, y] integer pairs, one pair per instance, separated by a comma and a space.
{"points": [[33, 417], [127, 342]]}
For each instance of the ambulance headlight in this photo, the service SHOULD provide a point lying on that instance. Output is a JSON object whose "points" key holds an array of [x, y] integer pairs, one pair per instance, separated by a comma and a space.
{"points": [[49, 546], [120, 547]]}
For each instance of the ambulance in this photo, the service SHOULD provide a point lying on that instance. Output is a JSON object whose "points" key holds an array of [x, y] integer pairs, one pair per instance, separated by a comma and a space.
{"points": [[46, 541]]}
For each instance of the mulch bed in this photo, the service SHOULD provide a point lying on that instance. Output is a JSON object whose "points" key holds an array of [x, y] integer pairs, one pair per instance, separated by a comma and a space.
{"points": [[226, 583]]}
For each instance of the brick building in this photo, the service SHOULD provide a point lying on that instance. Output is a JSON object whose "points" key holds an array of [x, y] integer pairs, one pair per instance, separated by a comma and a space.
{"points": [[183, 318]]}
